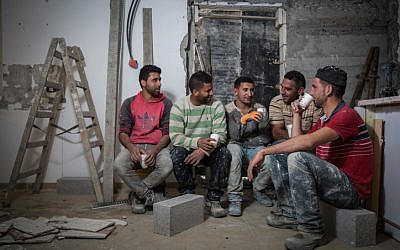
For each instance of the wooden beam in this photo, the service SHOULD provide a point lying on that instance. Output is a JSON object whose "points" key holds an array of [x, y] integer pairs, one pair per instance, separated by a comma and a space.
{"points": [[378, 141], [147, 36], [1, 51], [113, 82]]}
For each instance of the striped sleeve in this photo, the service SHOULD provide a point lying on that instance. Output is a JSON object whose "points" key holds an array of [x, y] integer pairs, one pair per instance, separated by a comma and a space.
{"points": [[177, 128], [275, 110], [219, 122]]}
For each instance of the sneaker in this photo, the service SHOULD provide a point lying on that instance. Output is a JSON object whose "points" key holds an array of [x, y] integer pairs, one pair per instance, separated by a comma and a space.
{"points": [[215, 208], [149, 197], [262, 198], [281, 221], [138, 206], [235, 208], [307, 241]]}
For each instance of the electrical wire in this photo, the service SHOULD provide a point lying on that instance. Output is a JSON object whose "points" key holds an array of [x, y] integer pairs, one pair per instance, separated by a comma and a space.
{"points": [[129, 27]]}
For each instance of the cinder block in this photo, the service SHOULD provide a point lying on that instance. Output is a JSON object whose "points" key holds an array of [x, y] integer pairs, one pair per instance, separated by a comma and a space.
{"points": [[178, 214], [75, 185], [354, 226]]}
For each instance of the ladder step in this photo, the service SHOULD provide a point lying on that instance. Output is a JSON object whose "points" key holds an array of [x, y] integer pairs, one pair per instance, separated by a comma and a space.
{"points": [[94, 144], [88, 114], [44, 114], [58, 54], [28, 173], [53, 85], [36, 144], [79, 85]]}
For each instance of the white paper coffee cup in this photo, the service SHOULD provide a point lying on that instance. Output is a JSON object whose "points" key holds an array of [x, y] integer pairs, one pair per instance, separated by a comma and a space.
{"points": [[215, 137], [306, 100], [289, 129], [142, 163], [262, 110]]}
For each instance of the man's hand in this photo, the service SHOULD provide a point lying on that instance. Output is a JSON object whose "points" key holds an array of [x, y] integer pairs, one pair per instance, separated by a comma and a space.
{"points": [[295, 105], [135, 153], [254, 115], [194, 158], [257, 160], [150, 159], [207, 144]]}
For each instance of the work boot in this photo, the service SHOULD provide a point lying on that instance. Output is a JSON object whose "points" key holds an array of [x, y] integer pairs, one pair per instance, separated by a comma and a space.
{"points": [[281, 221], [262, 198], [215, 209], [138, 206], [305, 241], [235, 208]]}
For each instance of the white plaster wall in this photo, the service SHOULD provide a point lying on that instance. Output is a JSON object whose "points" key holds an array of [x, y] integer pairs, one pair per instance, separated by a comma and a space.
{"points": [[29, 25]]}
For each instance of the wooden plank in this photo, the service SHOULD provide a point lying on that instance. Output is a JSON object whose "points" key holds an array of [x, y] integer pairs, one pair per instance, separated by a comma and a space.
{"points": [[112, 99], [32, 227], [384, 101], [82, 224], [147, 36], [86, 235], [378, 141]]}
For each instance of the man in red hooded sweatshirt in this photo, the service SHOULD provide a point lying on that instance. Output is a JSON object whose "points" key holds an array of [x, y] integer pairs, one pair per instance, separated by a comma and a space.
{"points": [[144, 133]]}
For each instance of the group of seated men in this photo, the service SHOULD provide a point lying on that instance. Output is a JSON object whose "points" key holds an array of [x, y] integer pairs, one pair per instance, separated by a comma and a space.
{"points": [[321, 151]]}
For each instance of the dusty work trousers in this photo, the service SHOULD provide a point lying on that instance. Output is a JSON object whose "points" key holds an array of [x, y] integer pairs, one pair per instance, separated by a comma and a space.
{"points": [[241, 155], [126, 169], [300, 178], [218, 161]]}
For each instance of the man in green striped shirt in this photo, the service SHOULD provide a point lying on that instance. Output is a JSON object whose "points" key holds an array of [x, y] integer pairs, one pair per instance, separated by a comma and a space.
{"points": [[194, 119]]}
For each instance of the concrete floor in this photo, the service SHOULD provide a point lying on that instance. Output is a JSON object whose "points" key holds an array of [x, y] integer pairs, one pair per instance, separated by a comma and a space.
{"points": [[246, 232]]}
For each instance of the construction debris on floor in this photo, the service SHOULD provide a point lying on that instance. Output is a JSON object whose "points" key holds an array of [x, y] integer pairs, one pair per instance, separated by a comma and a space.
{"points": [[43, 230]]}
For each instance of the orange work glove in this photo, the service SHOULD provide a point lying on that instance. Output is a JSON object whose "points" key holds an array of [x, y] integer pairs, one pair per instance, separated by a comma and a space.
{"points": [[252, 115]]}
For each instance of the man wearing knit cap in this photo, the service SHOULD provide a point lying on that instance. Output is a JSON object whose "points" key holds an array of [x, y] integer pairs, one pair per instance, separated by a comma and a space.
{"points": [[340, 173]]}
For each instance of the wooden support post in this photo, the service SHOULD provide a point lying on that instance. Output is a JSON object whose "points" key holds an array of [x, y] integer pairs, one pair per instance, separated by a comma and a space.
{"points": [[1, 52], [378, 142], [113, 82], [147, 36], [280, 23]]}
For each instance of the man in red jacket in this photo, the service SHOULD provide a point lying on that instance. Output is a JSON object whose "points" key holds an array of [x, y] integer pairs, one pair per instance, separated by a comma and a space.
{"points": [[144, 133], [340, 173]]}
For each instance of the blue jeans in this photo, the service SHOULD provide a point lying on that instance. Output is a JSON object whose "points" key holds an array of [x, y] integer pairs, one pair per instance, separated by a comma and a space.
{"points": [[126, 169], [241, 155], [218, 162], [300, 178]]}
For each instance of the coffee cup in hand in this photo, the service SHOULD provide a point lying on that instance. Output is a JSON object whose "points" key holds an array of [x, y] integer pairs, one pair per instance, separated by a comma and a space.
{"points": [[142, 163], [306, 100], [262, 111], [215, 137]]}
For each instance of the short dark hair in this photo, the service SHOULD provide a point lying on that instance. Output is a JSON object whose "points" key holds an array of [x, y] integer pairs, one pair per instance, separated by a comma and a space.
{"points": [[198, 79], [337, 91], [146, 70], [297, 77], [242, 79]]}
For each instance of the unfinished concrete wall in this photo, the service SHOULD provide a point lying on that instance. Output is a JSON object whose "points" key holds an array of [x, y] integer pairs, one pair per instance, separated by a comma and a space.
{"points": [[336, 32]]}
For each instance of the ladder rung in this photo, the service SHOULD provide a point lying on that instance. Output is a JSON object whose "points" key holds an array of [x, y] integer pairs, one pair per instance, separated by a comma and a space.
{"points": [[36, 144], [94, 144], [79, 85], [88, 114], [53, 85], [57, 54], [44, 114], [28, 173]]}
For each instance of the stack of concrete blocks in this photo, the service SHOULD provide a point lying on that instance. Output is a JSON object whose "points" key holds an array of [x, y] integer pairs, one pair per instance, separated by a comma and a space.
{"points": [[356, 227], [75, 185], [178, 214]]}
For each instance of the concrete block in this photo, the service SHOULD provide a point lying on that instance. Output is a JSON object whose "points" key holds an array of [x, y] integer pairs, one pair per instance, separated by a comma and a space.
{"points": [[75, 185], [356, 227], [178, 214]]}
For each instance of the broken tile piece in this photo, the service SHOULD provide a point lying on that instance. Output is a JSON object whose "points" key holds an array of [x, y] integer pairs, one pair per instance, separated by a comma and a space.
{"points": [[118, 222], [85, 234], [33, 227], [83, 224]]}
